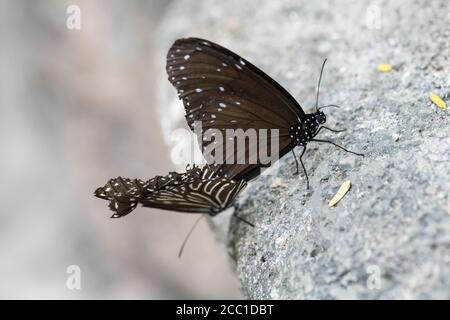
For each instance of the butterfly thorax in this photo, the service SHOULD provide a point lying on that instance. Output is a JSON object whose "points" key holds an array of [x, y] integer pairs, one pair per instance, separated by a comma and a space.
{"points": [[304, 131]]}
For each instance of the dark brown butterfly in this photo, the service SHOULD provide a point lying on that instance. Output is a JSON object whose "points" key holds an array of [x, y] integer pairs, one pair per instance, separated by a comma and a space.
{"points": [[225, 91], [196, 191]]}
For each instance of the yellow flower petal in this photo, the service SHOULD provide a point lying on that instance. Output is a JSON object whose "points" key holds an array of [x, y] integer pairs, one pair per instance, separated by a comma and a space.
{"points": [[384, 67], [437, 100], [340, 194]]}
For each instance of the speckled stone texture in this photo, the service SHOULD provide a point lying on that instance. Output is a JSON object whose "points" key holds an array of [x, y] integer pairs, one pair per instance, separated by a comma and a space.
{"points": [[395, 221]]}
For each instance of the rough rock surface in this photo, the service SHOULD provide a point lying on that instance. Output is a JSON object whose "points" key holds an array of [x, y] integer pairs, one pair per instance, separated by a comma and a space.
{"points": [[390, 235]]}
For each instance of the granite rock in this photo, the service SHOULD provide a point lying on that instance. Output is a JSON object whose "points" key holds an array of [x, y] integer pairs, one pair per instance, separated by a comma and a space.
{"points": [[389, 237]]}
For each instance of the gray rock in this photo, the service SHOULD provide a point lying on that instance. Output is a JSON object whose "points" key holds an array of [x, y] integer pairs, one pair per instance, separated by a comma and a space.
{"points": [[390, 235]]}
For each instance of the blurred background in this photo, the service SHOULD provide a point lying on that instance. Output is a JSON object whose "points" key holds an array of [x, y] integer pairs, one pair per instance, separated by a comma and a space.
{"points": [[77, 108]]}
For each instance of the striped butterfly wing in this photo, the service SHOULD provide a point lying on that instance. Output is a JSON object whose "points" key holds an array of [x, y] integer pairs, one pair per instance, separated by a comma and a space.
{"points": [[208, 196], [124, 194], [225, 91]]}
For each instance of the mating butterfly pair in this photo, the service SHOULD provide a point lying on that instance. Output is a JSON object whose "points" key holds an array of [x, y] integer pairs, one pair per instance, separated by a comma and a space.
{"points": [[224, 91]]}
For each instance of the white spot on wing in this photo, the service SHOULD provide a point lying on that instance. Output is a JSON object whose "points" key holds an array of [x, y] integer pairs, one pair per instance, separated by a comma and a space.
{"points": [[186, 57], [198, 90], [222, 105]]}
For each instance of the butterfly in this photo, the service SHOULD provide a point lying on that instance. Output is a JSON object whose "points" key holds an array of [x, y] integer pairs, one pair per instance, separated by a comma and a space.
{"points": [[195, 191], [225, 91]]}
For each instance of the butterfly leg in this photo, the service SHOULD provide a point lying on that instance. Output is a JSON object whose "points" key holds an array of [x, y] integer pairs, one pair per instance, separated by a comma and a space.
{"points": [[304, 169], [243, 220], [296, 163], [336, 145], [332, 130]]}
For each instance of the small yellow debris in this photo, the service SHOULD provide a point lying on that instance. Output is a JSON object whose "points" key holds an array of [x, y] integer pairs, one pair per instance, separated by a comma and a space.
{"points": [[437, 100], [340, 194], [278, 182], [384, 67]]}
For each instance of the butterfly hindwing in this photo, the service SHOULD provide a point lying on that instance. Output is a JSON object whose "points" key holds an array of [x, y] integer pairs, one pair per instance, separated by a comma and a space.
{"points": [[202, 196]]}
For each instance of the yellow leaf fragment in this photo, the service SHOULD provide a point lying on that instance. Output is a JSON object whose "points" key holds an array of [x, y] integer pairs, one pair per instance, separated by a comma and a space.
{"points": [[384, 67], [437, 100], [340, 193]]}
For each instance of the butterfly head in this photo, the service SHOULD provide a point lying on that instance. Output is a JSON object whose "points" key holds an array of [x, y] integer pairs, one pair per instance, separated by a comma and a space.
{"points": [[321, 118]]}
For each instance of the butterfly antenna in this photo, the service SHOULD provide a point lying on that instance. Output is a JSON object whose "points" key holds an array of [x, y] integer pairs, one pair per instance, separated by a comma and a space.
{"points": [[318, 86], [188, 235]]}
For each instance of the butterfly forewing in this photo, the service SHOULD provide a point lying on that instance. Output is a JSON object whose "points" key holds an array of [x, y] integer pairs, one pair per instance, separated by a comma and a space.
{"points": [[225, 91], [194, 63]]}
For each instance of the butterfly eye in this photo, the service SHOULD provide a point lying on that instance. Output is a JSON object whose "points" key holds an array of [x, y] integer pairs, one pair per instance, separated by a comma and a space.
{"points": [[321, 118]]}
